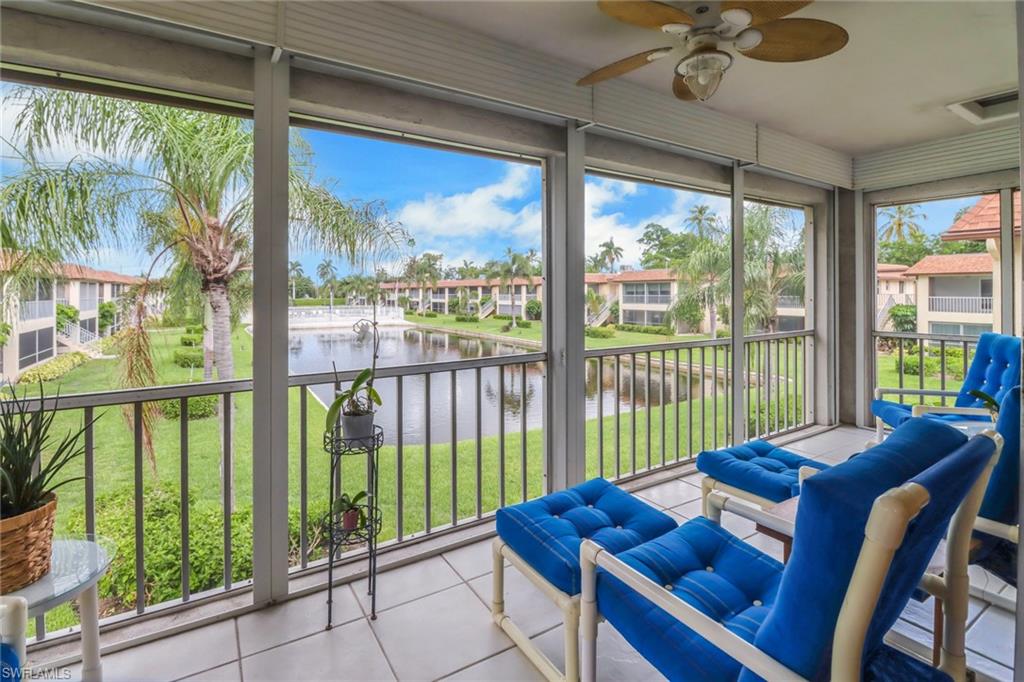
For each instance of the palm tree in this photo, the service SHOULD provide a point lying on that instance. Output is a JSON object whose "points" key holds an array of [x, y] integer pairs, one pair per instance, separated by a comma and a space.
{"points": [[704, 280], [595, 301], [514, 266], [198, 164], [294, 273], [610, 253], [424, 270], [467, 270], [703, 222], [764, 283], [901, 222], [327, 274], [595, 263]]}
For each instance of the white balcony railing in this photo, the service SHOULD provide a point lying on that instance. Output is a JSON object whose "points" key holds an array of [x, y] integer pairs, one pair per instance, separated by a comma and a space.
{"points": [[35, 310], [87, 304], [791, 301], [344, 312], [981, 305]]}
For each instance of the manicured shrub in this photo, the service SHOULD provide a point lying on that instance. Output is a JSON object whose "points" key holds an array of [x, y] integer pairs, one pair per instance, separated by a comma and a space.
{"points": [[107, 313], [912, 365], [195, 329], [524, 324], [644, 329], [53, 369], [200, 407], [191, 339], [534, 309], [115, 519], [599, 332], [466, 318], [501, 316], [903, 317], [188, 357], [66, 313], [429, 313]]}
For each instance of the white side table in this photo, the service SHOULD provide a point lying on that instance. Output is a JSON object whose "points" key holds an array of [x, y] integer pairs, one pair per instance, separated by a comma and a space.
{"points": [[78, 564]]}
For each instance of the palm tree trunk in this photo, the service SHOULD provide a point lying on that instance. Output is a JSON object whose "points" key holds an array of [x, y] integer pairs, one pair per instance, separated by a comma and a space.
{"points": [[220, 307], [713, 309]]}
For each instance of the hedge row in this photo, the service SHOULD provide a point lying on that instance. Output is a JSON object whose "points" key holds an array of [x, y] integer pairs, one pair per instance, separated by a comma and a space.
{"points": [[188, 357], [466, 318], [195, 329], [53, 369], [191, 339], [599, 332], [644, 329], [199, 407]]}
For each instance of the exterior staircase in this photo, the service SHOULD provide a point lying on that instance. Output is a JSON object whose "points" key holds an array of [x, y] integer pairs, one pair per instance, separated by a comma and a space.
{"points": [[601, 316], [79, 339], [487, 309]]}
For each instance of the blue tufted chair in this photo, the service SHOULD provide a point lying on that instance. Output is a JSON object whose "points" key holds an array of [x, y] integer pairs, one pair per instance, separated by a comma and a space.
{"points": [[757, 471], [541, 538], [994, 370], [701, 604]]}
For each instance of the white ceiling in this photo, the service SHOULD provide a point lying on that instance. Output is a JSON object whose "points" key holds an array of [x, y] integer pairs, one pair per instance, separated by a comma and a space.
{"points": [[887, 88]]}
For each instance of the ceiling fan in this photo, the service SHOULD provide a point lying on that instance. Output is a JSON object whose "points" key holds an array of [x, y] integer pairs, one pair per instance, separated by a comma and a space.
{"points": [[707, 33]]}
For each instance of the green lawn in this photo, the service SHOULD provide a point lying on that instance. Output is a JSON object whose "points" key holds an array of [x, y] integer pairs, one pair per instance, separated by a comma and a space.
{"points": [[534, 333]]}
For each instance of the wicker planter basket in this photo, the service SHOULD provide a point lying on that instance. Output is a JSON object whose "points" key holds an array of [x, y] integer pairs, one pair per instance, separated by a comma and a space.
{"points": [[25, 543]]}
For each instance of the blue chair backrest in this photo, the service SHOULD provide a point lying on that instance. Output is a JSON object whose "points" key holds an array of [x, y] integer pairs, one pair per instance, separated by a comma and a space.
{"points": [[1000, 502], [995, 369], [833, 511]]}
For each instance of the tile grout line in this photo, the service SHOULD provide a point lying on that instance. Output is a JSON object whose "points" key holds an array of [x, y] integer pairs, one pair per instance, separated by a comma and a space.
{"points": [[238, 648]]}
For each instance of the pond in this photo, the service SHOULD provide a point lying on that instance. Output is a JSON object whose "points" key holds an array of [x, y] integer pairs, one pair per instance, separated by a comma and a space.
{"points": [[314, 351]]}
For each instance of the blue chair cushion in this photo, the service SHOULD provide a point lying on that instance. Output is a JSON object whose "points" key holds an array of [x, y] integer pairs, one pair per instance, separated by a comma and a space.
{"points": [[757, 467], [707, 567], [1000, 502], [892, 665], [833, 511], [547, 532]]}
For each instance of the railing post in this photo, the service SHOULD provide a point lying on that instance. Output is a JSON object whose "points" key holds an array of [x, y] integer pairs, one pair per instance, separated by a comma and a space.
{"points": [[270, 329], [738, 379], [564, 308]]}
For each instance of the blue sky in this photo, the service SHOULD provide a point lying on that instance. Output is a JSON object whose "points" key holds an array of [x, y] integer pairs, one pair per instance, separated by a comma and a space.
{"points": [[939, 215]]}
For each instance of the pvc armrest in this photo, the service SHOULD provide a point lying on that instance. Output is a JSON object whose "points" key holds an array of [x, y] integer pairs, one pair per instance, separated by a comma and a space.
{"points": [[999, 530], [918, 410], [719, 501]]}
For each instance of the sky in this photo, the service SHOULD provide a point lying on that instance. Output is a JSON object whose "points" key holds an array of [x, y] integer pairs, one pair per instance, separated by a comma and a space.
{"points": [[466, 206]]}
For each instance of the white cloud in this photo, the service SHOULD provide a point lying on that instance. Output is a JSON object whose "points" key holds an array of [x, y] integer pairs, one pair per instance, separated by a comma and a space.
{"points": [[483, 213], [605, 220]]}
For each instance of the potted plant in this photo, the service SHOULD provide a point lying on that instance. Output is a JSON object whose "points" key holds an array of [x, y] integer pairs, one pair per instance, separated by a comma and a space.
{"points": [[28, 502], [355, 405], [352, 512]]}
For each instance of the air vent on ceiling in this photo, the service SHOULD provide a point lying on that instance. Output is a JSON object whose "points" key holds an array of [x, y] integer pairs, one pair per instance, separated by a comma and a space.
{"points": [[988, 109]]}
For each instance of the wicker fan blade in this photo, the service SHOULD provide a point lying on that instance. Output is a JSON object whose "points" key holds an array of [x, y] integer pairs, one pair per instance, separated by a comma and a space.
{"points": [[798, 40], [764, 11], [645, 13], [681, 90], [624, 66]]}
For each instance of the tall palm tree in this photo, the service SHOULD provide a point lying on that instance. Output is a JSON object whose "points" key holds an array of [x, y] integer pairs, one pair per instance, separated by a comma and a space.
{"points": [[595, 301], [328, 274], [151, 155], [294, 273], [902, 222], [514, 266], [703, 222], [424, 270], [764, 283], [610, 253], [595, 263], [704, 281], [467, 270]]}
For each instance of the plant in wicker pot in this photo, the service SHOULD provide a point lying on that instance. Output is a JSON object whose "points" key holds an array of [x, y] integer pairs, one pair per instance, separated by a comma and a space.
{"points": [[31, 458]]}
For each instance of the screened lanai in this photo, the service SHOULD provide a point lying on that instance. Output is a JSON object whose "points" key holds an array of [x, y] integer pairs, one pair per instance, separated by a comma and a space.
{"points": [[469, 197]]}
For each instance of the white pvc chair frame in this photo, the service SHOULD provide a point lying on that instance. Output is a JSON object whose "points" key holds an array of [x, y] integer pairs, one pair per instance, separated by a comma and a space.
{"points": [[569, 605], [886, 527], [709, 485]]}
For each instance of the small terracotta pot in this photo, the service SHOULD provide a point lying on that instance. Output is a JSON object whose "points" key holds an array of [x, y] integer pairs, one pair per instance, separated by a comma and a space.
{"points": [[350, 520]]}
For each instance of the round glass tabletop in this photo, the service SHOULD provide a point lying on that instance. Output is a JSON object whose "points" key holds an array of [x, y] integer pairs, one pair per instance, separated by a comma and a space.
{"points": [[77, 564], [972, 427]]}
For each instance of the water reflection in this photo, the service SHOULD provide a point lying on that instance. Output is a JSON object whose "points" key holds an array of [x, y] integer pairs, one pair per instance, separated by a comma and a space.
{"points": [[313, 351]]}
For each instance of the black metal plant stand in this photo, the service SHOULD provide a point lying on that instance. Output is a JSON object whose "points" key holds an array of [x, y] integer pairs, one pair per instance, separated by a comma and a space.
{"points": [[338, 537]]}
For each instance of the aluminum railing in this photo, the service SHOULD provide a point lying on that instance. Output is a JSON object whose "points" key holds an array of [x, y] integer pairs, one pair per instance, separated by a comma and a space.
{"points": [[35, 310], [648, 299], [75, 333], [314, 313], [791, 302], [669, 401], [898, 363], [463, 474], [974, 305]]}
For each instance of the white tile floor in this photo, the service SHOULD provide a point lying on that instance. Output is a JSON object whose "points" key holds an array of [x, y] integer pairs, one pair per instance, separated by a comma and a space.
{"points": [[434, 623]]}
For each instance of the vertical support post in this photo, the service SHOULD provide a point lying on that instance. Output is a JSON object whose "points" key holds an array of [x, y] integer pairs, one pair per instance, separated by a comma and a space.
{"points": [[1018, 649], [738, 379], [864, 302], [1006, 274], [270, 335], [564, 309]]}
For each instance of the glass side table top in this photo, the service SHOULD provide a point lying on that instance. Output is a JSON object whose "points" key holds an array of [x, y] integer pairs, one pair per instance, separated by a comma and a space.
{"points": [[972, 427], [78, 563]]}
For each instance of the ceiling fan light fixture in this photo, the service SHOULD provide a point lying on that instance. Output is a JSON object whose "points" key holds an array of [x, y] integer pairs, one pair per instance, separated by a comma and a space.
{"points": [[737, 16], [748, 39], [702, 72]]}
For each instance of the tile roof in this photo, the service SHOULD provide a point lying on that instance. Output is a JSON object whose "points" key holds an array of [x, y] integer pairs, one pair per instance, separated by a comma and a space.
{"points": [[655, 275], [952, 264], [981, 221], [84, 272], [891, 271]]}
